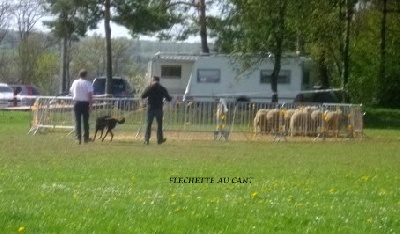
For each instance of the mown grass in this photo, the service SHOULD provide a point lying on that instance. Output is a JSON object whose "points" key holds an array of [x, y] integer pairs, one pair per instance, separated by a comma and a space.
{"points": [[50, 185]]}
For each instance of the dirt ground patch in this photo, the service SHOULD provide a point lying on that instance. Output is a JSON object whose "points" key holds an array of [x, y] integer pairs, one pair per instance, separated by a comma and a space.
{"points": [[233, 136]]}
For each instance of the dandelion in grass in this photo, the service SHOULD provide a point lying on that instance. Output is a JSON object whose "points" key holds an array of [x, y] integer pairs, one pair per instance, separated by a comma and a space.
{"points": [[254, 195], [21, 229], [332, 190], [365, 178], [382, 192], [369, 220]]}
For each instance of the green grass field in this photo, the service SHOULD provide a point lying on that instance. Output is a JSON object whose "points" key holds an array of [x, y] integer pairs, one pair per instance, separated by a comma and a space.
{"points": [[48, 184]]}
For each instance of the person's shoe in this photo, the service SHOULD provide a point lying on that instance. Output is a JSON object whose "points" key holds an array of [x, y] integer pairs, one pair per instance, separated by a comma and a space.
{"points": [[78, 142], [162, 141], [146, 143]]}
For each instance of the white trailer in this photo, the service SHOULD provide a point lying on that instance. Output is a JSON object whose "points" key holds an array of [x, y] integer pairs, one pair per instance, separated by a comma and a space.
{"points": [[211, 77]]}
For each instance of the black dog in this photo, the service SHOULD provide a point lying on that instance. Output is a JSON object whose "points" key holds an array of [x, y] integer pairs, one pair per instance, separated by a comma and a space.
{"points": [[107, 122]]}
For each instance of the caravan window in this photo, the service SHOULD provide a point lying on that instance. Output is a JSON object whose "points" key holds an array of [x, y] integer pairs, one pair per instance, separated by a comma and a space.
{"points": [[171, 71], [266, 76], [208, 75]]}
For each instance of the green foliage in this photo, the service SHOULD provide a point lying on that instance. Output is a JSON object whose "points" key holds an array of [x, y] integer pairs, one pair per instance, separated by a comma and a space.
{"points": [[382, 118], [315, 28], [364, 59], [389, 95], [74, 17], [137, 77], [89, 54], [366, 85], [143, 16], [47, 65], [225, 29]]}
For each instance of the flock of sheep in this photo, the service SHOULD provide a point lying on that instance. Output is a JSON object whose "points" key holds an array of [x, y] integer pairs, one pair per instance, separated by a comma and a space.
{"points": [[302, 121]]}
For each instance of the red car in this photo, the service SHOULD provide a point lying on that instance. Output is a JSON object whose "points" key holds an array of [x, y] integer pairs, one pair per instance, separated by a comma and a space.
{"points": [[25, 95]]}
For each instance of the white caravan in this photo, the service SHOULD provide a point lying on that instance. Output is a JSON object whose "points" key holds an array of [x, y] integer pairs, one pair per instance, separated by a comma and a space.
{"points": [[211, 77]]}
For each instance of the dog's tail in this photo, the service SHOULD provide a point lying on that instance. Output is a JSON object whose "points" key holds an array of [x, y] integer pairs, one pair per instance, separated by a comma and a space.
{"points": [[121, 121]]}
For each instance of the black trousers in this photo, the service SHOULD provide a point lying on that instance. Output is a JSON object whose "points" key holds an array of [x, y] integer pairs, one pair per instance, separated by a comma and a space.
{"points": [[158, 115], [81, 110]]}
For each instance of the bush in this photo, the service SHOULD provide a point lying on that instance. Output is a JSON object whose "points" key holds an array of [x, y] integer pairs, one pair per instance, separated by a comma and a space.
{"points": [[382, 118]]}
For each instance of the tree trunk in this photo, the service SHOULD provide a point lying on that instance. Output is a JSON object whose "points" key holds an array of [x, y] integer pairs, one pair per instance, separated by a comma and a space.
{"points": [[382, 66], [63, 67], [345, 71], [323, 75], [107, 30], [203, 26], [23, 60], [279, 37], [275, 75]]}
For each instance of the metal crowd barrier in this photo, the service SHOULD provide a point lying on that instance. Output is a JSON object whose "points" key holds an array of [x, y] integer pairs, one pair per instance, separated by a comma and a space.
{"points": [[50, 112], [211, 120]]}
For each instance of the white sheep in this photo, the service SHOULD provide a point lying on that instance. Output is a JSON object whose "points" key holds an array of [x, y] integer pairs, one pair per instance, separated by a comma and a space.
{"points": [[332, 121], [316, 120], [287, 115], [299, 122], [273, 120], [260, 121]]}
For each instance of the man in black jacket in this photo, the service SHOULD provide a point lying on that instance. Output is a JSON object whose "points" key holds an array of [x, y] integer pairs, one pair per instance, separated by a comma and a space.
{"points": [[155, 95]]}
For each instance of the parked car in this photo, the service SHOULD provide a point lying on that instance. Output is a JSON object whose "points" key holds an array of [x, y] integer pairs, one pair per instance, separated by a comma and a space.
{"points": [[120, 87], [320, 96], [25, 95], [6, 95]]}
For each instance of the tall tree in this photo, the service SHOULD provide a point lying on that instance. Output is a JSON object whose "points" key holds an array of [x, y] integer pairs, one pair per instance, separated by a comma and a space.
{"points": [[348, 16], [107, 30], [365, 56], [27, 13], [263, 30], [193, 23], [325, 35], [382, 49], [89, 53], [203, 26], [73, 18], [191, 18], [46, 68], [386, 94], [225, 28], [5, 16], [139, 16]]}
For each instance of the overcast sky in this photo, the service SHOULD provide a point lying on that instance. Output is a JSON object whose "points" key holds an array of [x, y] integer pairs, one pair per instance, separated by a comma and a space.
{"points": [[120, 31], [116, 31]]}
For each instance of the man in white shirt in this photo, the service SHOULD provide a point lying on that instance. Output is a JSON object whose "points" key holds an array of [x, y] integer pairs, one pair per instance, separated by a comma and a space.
{"points": [[82, 95]]}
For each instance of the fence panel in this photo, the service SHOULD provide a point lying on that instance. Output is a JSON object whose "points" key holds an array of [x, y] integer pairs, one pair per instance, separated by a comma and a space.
{"points": [[212, 118]]}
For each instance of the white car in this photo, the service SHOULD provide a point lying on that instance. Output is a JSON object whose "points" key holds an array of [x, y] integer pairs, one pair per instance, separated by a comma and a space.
{"points": [[6, 95]]}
